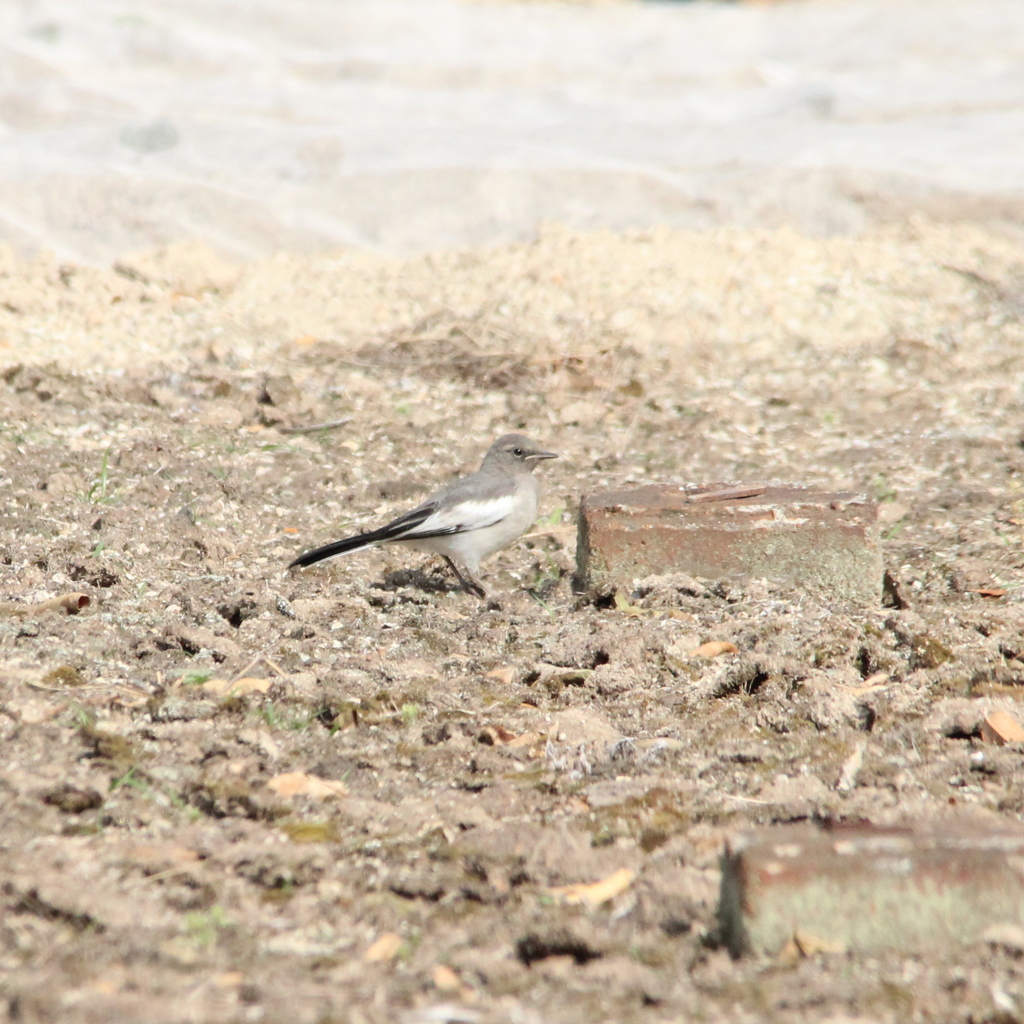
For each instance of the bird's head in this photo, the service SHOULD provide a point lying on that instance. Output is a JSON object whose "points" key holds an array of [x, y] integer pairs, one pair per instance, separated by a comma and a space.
{"points": [[517, 450]]}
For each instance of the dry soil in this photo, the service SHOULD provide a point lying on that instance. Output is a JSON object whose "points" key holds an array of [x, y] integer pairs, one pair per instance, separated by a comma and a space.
{"points": [[175, 429]]}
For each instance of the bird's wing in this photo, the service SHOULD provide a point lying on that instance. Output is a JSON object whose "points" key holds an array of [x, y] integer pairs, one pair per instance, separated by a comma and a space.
{"points": [[442, 519]]}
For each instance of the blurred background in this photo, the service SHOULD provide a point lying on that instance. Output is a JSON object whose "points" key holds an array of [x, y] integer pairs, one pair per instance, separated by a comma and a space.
{"points": [[408, 125]]}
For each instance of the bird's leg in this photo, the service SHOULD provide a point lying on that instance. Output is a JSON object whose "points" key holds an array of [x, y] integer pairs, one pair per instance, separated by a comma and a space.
{"points": [[467, 584]]}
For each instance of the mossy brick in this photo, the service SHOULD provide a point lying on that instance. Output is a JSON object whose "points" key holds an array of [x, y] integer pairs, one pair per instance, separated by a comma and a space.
{"points": [[810, 539], [908, 891]]}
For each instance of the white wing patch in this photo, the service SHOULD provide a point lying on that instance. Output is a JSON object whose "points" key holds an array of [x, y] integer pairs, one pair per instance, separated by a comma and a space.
{"points": [[463, 517]]}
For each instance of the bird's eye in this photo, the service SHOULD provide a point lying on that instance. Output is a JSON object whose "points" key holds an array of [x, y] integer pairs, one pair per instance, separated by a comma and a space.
{"points": [[518, 452]]}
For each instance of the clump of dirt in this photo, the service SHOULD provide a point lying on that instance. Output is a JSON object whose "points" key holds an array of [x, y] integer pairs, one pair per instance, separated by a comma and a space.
{"points": [[172, 437]]}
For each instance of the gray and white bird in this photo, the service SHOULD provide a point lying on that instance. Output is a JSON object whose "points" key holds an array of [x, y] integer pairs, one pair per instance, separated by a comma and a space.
{"points": [[466, 521]]}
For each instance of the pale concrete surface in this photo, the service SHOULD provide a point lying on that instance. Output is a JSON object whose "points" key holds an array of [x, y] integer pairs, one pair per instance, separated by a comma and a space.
{"points": [[406, 125]]}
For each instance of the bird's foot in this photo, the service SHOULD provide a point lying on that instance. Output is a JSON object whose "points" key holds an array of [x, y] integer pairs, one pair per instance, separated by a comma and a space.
{"points": [[469, 584]]}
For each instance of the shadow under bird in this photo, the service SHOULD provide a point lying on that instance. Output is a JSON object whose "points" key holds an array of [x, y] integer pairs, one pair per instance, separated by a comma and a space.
{"points": [[468, 520]]}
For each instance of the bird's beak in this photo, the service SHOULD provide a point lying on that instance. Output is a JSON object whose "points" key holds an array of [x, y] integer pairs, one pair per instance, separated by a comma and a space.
{"points": [[542, 455]]}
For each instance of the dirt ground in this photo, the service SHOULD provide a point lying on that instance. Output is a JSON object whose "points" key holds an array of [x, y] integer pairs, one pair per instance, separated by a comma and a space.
{"points": [[166, 855]]}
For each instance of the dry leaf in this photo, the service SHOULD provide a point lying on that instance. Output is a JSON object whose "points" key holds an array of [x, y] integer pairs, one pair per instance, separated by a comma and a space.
{"points": [[240, 687], [1000, 728], [71, 603], [499, 736], [810, 945], [303, 784], [596, 892], [713, 648], [524, 739], [502, 675], [990, 591], [213, 687], [250, 684], [622, 604], [873, 683], [675, 613], [384, 948], [876, 679], [446, 979]]}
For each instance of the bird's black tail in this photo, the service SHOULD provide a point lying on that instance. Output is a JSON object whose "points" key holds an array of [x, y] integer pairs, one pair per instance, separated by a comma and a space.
{"points": [[338, 547], [395, 530]]}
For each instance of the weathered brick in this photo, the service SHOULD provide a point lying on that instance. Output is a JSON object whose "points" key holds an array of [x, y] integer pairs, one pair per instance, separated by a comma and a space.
{"points": [[909, 890], [812, 539]]}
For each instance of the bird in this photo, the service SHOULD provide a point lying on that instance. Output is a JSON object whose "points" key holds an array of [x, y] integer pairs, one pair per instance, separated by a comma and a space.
{"points": [[466, 521]]}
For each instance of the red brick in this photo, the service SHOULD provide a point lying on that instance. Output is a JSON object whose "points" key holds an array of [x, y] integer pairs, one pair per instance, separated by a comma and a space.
{"points": [[908, 890], [811, 539]]}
